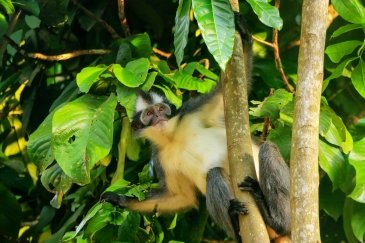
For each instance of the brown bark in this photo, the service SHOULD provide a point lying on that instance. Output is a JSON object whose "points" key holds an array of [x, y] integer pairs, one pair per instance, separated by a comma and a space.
{"points": [[252, 227], [304, 153]]}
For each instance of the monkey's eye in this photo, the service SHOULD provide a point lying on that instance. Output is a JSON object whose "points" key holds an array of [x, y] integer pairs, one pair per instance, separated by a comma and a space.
{"points": [[149, 113], [161, 108]]}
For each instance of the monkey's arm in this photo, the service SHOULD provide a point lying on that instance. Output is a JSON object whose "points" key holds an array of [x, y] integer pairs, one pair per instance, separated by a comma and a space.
{"points": [[175, 196], [272, 192]]}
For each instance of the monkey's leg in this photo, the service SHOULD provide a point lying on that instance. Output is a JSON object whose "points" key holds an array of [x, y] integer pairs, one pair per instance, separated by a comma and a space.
{"points": [[272, 192], [220, 203]]}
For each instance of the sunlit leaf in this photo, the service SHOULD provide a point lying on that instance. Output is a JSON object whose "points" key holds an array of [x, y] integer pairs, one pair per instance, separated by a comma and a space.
{"points": [[351, 10], [337, 51], [268, 14], [83, 134], [216, 22], [357, 159], [358, 77], [88, 76], [181, 29], [344, 29]]}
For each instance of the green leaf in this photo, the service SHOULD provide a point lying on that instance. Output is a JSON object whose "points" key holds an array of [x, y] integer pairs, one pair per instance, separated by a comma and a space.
{"points": [[88, 76], [337, 51], [331, 126], [281, 136], [127, 98], [10, 213], [271, 106], [147, 85], [358, 77], [28, 5], [351, 10], [333, 162], [56, 181], [268, 14], [357, 159], [32, 21], [216, 22], [182, 22], [134, 74], [331, 201], [3, 25], [347, 218], [39, 144], [8, 6], [357, 221], [141, 44], [184, 80], [344, 29], [83, 134], [124, 76], [339, 70], [171, 96], [139, 68]]}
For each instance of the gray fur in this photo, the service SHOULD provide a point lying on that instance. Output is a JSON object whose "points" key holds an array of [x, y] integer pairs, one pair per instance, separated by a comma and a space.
{"points": [[275, 186], [218, 198]]}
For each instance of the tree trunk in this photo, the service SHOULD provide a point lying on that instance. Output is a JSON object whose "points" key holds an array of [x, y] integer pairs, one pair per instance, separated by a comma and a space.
{"points": [[252, 227], [304, 152]]}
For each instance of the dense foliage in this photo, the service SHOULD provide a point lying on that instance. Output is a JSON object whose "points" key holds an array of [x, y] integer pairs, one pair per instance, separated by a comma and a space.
{"points": [[64, 119]]}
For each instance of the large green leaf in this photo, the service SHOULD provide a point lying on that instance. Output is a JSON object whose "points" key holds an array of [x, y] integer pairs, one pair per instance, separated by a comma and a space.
{"points": [[56, 181], [10, 214], [358, 77], [271, 106], [8, 6], [216, 22], [141, 44], [133, 74], [337, 51], [357, 221], [3, 25], [357, 160], [83, 134], [344, 29], [181, 29], [268, 14], [351, 10], [127, 98], [39, 144], [333, 162], [184, 80], [88, 76]]}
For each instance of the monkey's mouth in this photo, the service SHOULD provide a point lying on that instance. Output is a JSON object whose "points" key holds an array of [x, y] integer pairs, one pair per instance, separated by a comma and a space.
{"points": [[159, 122]]}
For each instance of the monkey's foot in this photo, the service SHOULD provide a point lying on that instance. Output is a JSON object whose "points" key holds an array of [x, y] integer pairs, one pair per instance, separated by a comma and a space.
{"points": [[114, 198], [236, 207], [249, 184]]}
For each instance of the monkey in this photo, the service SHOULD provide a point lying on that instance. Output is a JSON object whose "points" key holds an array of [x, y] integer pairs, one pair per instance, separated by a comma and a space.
{"points": [[189, 154]]}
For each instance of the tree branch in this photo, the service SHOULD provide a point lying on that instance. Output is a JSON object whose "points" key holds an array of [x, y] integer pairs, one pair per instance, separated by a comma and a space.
{"points": [[122, 18], [304, 153], [110, 29], [67, 56], [235, 86]]}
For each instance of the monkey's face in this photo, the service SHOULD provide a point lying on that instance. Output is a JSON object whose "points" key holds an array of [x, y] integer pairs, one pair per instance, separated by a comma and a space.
{"points": [[155, 115]]}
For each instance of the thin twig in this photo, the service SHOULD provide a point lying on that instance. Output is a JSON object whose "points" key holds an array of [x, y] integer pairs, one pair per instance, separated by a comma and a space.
{"points": [[161, 53], [122, 18], [278, 62], [110, 29], [266, 43], [66, 56]]}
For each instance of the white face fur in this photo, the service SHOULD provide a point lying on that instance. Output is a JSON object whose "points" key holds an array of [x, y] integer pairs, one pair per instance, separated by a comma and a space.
{"points": [[142, 104]]}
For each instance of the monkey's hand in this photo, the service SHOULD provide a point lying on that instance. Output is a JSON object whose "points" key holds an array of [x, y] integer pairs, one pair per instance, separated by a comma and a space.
{"points": [[236, 207], [249, 184], [114, 198]]}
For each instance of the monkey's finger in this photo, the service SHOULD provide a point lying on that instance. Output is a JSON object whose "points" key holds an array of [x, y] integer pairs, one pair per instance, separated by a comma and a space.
{"points": [[113, 198]]}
